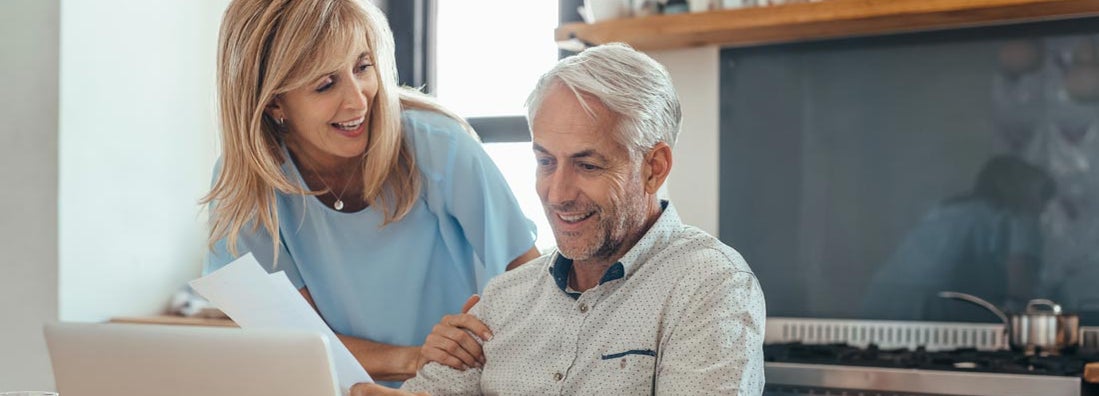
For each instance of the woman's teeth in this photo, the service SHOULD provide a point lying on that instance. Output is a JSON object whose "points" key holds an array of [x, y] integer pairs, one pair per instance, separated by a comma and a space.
{"points": [[350, 125]]}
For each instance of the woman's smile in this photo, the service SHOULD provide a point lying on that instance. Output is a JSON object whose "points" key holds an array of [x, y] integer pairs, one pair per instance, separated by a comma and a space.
{"points": [[351, 129]]}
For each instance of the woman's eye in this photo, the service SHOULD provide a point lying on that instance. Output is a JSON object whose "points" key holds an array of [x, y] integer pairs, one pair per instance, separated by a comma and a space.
{"points": [[327, 83], [362, 67]]}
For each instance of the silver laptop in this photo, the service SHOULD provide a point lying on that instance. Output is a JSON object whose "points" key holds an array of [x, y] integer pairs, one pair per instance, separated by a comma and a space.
{"points": [[138, 359]]}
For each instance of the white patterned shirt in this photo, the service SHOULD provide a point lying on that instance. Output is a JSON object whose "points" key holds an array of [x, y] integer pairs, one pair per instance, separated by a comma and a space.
{"points": [[680, 314]]}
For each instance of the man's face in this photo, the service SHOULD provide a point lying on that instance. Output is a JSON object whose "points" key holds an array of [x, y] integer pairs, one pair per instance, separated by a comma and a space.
{"points": [[591, 189]]}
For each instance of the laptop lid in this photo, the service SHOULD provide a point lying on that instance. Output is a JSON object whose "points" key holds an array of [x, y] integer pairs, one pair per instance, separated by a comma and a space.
{"points": [[91, 359]]}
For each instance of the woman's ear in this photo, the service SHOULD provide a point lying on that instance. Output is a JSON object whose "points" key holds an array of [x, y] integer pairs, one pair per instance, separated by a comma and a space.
{"points": [[657, 166], [275, 111]]}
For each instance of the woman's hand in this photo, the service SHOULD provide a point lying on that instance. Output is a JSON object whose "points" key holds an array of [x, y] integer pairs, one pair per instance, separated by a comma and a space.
{"points": [[450, 342], [365, 389]]}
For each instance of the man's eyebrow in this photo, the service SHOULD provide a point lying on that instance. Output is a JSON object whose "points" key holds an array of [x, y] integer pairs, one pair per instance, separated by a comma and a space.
{"points": [[589, 153]]}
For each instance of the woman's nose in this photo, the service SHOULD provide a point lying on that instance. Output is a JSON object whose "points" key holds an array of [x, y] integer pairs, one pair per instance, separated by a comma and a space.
{"points": [[355, 97]]}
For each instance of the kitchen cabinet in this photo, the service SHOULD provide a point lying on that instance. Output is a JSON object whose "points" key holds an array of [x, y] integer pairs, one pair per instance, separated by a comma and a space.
{"points": [[826, 19]]}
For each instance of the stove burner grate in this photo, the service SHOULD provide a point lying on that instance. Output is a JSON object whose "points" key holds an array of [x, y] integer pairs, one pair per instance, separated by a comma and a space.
{"points": [[963, 359]]}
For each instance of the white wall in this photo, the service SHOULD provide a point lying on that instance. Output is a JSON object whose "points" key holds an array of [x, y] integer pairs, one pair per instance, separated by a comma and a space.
{"points": [[109, 137], [28, 174], [693, 184], [137, 144]]}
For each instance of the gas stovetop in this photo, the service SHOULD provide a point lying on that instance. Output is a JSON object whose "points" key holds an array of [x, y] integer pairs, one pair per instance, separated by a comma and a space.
{"points": [[962, 359], [840, 369]]}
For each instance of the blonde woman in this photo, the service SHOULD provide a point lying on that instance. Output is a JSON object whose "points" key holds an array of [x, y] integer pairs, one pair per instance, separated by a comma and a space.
{"points": [[379, 205]]}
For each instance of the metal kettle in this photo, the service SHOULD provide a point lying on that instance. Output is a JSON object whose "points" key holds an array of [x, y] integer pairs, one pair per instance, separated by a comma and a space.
{"points": [[1041, 329]]}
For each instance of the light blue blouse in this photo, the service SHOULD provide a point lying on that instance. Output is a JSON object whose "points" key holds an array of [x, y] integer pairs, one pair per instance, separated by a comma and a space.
{"points": [[392, 284]]}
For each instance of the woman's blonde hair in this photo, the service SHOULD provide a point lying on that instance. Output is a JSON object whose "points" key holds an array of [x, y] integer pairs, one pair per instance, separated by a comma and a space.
{"points": [[267, 48]]}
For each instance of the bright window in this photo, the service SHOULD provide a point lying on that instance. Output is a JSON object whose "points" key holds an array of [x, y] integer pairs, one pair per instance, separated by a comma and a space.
{"points": [[489, 55], [516, 161]]}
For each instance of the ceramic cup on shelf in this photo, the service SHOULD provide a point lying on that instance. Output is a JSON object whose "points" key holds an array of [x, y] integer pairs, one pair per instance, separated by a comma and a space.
{"points": [[643, 8], [601, 10], [676, 7], [734, 4], [702, 5]]}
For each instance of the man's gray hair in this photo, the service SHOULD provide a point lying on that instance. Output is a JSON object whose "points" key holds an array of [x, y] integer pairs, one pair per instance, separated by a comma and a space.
{"points": [[629, 83]]}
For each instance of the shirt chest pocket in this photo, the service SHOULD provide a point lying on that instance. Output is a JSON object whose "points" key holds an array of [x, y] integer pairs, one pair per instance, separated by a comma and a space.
{"points": [[626, 371]]}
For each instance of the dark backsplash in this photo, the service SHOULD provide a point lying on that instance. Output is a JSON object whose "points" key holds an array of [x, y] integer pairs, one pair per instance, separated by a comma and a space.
{"points": [[849, 171]]}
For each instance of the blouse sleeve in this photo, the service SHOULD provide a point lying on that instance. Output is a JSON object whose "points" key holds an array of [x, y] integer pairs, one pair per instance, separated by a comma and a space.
{"points": [[483, 204], [478, 213], [258, 243]]}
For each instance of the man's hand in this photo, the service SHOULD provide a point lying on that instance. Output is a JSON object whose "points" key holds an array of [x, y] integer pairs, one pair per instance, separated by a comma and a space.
{"points": [[451, 345], [365, 389]]}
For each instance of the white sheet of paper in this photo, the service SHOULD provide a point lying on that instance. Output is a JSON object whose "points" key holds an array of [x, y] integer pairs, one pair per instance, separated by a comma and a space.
{"points": [[255, 299]]}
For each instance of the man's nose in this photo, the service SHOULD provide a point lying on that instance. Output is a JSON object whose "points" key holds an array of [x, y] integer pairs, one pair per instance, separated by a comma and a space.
{"points": [[561, 186]]}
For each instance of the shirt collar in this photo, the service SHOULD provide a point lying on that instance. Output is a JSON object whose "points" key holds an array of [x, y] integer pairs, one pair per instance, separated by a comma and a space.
{"points": [[655, 238], [562, 266]]}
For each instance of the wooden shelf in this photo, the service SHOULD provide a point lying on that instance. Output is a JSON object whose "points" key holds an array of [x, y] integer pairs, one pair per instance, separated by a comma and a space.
{"points": [[814, 21]]}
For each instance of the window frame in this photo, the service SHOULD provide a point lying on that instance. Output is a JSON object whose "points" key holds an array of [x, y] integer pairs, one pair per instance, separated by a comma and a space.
{"points": [[414, 28]]}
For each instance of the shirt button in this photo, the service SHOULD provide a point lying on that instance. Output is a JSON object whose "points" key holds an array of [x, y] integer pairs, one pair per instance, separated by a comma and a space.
{"points": [[583, 308], [558, 376]]}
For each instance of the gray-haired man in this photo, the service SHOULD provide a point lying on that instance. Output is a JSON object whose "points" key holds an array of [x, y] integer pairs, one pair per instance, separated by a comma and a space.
{"points": [[633, 301]]}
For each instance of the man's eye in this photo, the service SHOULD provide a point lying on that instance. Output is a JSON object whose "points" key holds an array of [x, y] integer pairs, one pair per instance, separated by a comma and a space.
{"points": [[588, 167]]}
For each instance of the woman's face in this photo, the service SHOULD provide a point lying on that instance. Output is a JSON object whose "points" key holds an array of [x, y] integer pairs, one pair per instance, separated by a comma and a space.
{"points": [[327, 119]]}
